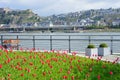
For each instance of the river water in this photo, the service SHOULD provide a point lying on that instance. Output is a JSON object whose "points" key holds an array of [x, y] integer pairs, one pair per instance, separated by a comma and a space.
{"points": [[61, 40]]}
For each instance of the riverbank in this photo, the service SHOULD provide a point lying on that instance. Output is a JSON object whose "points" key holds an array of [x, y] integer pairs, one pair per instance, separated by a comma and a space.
{"points": [[69, 31], [102, 30]]}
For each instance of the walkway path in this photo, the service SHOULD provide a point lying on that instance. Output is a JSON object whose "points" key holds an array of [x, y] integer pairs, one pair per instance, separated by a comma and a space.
{"points": [[110, 58]]}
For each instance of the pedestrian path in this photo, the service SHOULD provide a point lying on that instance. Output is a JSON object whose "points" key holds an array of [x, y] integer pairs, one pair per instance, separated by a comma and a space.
{"points": [[110, 58]]}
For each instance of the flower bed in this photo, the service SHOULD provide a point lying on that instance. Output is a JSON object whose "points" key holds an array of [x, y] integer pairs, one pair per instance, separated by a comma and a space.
{"points": [[23, 65]]}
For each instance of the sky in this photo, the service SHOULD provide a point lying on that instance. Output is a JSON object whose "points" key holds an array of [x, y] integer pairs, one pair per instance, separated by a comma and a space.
{"points": [[50, 7]]}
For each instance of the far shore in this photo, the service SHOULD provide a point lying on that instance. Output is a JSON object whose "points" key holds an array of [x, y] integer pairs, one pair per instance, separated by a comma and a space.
{"points": [[102, 30], [77, 31]]}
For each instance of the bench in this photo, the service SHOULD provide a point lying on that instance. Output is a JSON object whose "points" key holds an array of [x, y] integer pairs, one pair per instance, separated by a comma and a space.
{"points": [[13, 44]]}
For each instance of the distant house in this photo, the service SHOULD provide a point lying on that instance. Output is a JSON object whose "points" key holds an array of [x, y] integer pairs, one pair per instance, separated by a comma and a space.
{"points": [[101, 23], [4, 25], [116, 22], [86, 22], [58, 22], [44, 24]]}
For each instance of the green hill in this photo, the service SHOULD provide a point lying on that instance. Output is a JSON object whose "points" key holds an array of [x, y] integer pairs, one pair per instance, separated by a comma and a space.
{"points": [[18, 17]]}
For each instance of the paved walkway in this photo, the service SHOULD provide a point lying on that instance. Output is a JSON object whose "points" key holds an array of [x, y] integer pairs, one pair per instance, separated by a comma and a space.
{"points": [[110, 58]]}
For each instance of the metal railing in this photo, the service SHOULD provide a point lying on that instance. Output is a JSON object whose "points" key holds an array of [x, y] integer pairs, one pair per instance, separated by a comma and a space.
{"points": [[70, 40]]}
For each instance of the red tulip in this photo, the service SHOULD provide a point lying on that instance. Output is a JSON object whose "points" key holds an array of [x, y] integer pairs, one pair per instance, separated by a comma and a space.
{"points": [[34, 57], [43, 63], [34, 75], [71, 67], [90, 69], [24, 59], [18, 63], [19, 68], [51, 66], [78, 60], [111, 73], [72, 77], [48, 61], [9, 75], [8, 60], [61, 69], [30, 63], [65, 77], [0, 53], [44, 73], [30, 57], [9, 79], [98, 77], [64, 60], [0, 66], [68, 72], [22, 74]]}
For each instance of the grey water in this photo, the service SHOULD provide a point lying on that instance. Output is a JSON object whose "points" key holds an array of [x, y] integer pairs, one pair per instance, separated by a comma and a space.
{"points": [[60, 41]]}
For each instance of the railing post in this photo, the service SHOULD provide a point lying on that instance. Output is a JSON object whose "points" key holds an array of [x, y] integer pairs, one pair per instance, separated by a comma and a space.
{"points": [[50, 42], [69, 45], [34, 41], [1, 40], [89, 39], [111, 45], [17, 44]]}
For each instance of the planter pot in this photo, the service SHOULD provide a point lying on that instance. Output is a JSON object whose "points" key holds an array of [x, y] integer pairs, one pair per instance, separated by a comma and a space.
{"points": [[91, 51], [103, 51]]}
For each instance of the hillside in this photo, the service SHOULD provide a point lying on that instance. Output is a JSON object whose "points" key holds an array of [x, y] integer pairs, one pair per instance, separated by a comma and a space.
{"points": [[18, 16], [105, 15]]}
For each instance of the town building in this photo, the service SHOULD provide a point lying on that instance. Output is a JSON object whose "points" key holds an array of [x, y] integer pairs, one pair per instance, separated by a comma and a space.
{"points": [[116, 22]]}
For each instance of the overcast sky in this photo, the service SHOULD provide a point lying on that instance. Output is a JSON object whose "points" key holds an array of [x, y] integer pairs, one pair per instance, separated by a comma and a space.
{"points": [[49, 7]]}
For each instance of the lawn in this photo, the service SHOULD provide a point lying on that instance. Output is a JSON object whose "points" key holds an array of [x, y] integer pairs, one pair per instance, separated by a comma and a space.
{"points": [[31, 65]]}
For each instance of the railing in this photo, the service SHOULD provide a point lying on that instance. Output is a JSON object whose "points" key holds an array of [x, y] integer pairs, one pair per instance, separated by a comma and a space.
{"points": [[65, 42]]}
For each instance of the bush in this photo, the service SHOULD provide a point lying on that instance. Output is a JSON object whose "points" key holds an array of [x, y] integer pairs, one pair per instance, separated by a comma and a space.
{"points": [[91, 46], [103, 45]]}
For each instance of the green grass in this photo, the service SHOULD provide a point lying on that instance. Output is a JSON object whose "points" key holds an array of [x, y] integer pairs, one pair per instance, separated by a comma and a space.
{"points": [[32, 65]]}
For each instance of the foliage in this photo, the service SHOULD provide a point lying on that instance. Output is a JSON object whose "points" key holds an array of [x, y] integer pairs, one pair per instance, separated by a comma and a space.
{"points": [[91, 46], [96, 27], [18, 17], [103, 45]]}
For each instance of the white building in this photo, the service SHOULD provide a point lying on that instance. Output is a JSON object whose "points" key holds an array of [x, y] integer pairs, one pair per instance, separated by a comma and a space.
{"points": [[116, 22], [101, 23], [86, 22]]}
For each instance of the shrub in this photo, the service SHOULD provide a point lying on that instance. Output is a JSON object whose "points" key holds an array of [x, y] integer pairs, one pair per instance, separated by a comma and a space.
{"points": [[103, 45], [91, 46]]}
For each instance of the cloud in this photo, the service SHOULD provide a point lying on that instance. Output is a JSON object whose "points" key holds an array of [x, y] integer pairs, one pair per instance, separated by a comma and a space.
{"points": [[49, 7], [4, 1], [64, 6]]}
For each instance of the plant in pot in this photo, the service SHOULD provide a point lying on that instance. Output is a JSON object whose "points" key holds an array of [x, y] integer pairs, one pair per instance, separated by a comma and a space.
{"points": [[91, 50], [103, 50]]}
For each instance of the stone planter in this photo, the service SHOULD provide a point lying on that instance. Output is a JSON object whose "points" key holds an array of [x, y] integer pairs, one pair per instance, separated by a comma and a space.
{"points": [[91, 51], [103, 51]]}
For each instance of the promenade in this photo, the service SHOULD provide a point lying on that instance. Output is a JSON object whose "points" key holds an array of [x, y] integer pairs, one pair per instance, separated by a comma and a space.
{"points": [[110, 58]]}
